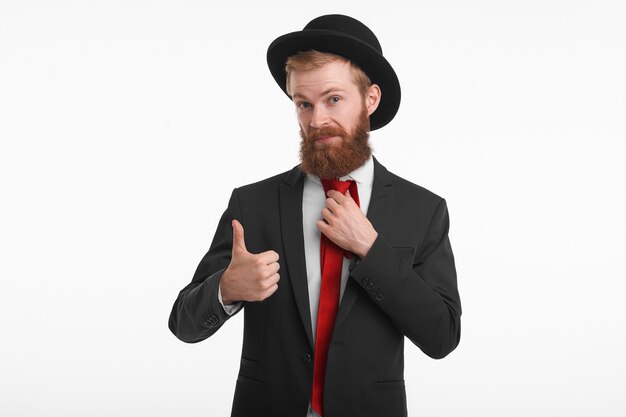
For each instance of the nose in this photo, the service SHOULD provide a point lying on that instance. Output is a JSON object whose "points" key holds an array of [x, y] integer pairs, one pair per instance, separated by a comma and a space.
{"points": [[319, 118]]}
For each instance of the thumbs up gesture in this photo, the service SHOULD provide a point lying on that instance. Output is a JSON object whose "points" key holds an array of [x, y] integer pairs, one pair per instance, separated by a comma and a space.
{"points": [[249, 277]]}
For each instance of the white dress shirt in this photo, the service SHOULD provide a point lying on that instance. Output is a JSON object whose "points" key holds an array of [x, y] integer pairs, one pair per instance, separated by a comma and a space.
{"points": [[313, 201]]}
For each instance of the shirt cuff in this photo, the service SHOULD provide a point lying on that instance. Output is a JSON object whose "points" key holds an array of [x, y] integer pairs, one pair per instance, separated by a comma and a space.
{"points": [[229, 309]]}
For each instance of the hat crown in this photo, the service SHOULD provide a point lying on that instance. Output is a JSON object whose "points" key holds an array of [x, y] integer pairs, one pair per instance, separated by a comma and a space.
{"points": [[346, 25]]}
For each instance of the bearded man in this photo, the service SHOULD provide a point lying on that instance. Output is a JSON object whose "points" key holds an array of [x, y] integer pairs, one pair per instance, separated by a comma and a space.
{"points": [[340, 260]]}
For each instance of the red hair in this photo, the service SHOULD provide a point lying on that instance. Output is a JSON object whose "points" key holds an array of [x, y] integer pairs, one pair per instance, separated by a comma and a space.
{"points": [[309, 60]]}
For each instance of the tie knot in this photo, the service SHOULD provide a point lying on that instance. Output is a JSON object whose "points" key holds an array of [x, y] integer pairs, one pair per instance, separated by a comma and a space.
{"points": [[337, 185], [342, 187]]}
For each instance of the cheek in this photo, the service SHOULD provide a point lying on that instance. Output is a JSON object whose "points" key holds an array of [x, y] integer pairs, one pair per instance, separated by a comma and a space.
{"points": [[351, 113], [347, 119], [302, 119]]}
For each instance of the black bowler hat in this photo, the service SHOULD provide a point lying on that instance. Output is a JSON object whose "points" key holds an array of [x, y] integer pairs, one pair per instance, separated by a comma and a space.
{"points": [[351, 39]]}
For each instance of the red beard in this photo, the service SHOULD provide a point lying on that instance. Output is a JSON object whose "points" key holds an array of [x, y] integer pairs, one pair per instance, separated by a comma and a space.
{"points": [[332, 160]]}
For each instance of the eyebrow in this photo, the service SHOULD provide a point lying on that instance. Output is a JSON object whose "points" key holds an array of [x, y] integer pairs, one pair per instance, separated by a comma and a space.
{"points": [[325, 93]]}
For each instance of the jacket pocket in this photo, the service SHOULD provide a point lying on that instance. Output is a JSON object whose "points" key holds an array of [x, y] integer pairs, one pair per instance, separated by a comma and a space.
{"points": [[251, 370], [385, 398]]}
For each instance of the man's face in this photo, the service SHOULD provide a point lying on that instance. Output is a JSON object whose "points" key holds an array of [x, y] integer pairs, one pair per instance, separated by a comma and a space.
{"points": [[333, 119]]}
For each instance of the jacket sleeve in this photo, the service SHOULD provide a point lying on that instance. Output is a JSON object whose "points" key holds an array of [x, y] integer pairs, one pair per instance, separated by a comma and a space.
{"points": [[419, 293], [197, 312]]}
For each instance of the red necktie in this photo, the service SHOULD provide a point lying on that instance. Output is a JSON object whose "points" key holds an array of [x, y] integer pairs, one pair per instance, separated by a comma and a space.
{"points": [[331, 258]]}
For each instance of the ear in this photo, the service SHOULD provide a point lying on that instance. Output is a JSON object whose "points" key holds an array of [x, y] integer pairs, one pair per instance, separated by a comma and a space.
{"points": [[372, 98]]}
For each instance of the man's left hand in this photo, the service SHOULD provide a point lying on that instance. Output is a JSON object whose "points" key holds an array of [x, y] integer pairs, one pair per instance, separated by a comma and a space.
{"points": [[345, 224]]}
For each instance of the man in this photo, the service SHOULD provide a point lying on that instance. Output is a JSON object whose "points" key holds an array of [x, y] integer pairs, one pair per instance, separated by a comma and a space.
{"points": [[334, 261]]}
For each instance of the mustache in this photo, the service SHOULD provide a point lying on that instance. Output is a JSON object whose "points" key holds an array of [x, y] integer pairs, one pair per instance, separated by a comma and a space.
{"points": [[314, 133]]}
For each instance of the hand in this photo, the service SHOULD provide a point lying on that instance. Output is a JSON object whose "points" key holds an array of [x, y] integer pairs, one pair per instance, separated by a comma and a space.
{"points": [[249, 277], [345, 224]]}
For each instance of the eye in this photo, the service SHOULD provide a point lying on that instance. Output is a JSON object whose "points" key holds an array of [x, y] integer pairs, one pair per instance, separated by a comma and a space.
{"points": [[304, 105], [335, 99]]}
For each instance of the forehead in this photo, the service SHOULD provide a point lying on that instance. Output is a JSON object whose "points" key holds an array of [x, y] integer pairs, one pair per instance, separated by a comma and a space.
{"points": [[318, 80]]}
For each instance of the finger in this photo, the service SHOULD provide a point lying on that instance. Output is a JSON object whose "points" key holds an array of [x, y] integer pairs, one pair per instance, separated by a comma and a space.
{"points": [[348, 197], [268, 286], [332, 204], [323, 227], [271, 269], [334, 194], [269, 292], [327, 215], [265, 283], [272, 280], [239, 243], [337, 196], [268, 257]]}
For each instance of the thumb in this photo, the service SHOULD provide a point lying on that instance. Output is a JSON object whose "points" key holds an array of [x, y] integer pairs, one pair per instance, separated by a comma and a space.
{"points": [[239, 244]]}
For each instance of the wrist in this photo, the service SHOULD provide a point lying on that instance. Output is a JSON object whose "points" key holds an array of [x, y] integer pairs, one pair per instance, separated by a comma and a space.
{"points": [[365, 248], [223, 288]]}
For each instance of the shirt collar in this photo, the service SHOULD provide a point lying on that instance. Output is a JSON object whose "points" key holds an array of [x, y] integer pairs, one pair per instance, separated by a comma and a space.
{"points": [[363, 175]]}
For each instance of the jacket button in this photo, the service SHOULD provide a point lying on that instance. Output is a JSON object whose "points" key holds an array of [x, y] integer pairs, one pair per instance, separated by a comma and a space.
{"points": [[211, 321], [306, 358]]}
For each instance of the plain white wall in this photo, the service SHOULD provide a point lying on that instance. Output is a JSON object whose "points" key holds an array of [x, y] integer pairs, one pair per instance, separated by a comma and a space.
{"points": [[124, 126]]}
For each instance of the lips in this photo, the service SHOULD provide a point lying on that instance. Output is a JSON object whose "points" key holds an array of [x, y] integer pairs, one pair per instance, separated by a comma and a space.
{"points": [[324, 139], [325, 134]]}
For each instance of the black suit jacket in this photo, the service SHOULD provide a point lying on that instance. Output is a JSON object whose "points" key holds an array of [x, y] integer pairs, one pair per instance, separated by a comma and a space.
{"points": [[405, 286]]}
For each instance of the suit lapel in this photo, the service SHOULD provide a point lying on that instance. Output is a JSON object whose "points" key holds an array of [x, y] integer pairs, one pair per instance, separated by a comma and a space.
{"points": [[293, 240], [378, 213]]}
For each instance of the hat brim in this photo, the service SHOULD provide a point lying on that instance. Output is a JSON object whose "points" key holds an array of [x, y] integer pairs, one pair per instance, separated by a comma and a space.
{"points": [[367, 58]]}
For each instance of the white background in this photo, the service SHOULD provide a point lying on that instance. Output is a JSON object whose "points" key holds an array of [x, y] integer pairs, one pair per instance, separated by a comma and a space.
{"points": [[125, 125]]}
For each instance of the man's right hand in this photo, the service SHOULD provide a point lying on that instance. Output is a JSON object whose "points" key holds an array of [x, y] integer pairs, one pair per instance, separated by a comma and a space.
{"points": [[249, 277]]}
